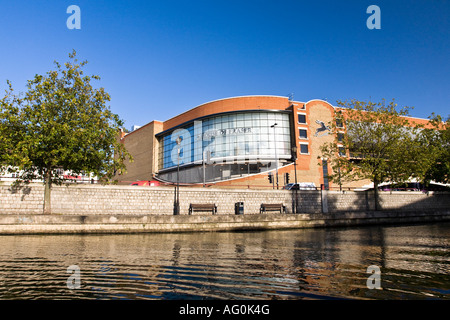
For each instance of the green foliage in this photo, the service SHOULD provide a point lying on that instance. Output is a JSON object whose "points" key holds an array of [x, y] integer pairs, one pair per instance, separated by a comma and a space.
{"points": [[378, 142], [12, 135], [375, 142], [436, 142], [60, 122]]}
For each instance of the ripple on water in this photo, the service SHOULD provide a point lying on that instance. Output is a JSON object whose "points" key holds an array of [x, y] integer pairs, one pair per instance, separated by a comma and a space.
{"points": [[295, 264]]}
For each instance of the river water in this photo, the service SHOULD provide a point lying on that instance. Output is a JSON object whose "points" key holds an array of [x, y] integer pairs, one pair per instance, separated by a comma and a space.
{"points": [[413, 260]]}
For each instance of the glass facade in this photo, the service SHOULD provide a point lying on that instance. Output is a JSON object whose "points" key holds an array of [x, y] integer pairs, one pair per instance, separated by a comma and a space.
{"points": [[229, 139]]}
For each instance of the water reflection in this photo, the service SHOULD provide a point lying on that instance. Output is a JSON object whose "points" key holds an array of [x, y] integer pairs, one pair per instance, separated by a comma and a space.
{"points": [[294, 264]]}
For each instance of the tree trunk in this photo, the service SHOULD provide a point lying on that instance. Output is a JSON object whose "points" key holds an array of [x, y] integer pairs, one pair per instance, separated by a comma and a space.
{"points": [[375, 193], [47, 192]]}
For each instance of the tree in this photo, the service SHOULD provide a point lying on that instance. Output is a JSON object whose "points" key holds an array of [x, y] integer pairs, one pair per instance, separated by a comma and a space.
{"points": [[436, 142], [373, 141], [61, 122]]}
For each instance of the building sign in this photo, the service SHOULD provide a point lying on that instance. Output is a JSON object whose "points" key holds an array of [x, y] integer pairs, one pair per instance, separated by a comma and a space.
{"points": [[225, 132]]}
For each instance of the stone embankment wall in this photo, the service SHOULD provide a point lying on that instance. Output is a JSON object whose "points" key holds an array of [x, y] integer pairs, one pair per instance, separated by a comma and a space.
{"points": [[97, 199]]}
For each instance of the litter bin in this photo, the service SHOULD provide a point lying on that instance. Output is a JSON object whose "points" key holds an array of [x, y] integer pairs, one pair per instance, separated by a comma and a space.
{"points": [[239, 208]]}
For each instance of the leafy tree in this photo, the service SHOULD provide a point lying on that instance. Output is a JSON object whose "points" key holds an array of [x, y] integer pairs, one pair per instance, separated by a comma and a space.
{"points": [[61, 122], [374, 141], [436, 142]]}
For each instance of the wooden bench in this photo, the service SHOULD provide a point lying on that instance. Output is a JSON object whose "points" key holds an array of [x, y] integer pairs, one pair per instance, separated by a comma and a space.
{"points": [[202, 207], [272, 207]]}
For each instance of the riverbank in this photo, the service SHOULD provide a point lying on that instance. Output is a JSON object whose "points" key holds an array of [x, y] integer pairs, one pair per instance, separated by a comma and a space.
{"points": [[131, 223]]}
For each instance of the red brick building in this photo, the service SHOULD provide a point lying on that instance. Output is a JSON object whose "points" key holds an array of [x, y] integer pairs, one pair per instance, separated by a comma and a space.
{"points": [[237, 142]]}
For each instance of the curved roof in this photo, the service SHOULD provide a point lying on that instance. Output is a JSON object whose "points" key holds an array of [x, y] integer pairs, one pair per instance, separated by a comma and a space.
{"points": [[255, 102]]}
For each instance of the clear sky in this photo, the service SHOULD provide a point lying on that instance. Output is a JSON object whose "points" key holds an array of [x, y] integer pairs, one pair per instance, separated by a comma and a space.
{"points": [[160, 58]]}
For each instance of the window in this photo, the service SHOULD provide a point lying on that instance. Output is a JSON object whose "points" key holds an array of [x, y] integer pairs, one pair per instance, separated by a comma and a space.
{"points": [[301, 118], [342, 151], [340, 137], [303, 134], [339, 123], [304, 149]]}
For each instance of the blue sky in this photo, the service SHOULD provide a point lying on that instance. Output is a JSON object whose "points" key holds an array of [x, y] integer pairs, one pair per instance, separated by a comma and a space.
{"points": [[160, 58]]}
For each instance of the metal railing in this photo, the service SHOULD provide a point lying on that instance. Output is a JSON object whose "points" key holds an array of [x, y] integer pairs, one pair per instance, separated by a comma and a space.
{"points": [[229, 185]]}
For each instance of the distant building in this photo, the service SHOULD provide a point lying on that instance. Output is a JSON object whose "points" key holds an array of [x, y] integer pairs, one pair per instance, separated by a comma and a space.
{"points": [[67, 175]]}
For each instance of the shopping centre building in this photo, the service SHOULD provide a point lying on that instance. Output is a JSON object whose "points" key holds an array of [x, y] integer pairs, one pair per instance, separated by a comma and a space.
{"points": [[236, 142]]}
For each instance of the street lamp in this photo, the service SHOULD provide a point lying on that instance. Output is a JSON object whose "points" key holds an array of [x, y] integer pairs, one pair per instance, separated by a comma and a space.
{"points": [[275, 144], [206, 159], [294, 152], [176, 206]]}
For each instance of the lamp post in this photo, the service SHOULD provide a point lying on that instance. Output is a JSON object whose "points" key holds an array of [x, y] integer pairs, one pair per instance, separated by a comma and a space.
{"points": [[276, 157], [206, 160], [176, 207], [204, 169], [294, 151]]}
